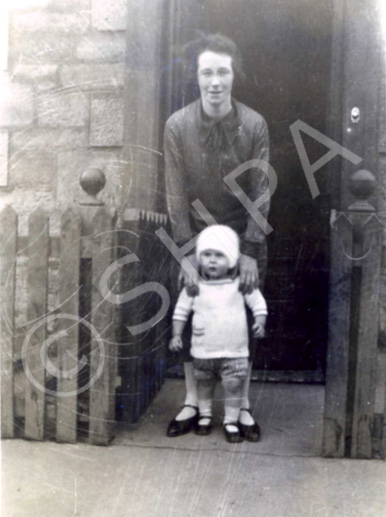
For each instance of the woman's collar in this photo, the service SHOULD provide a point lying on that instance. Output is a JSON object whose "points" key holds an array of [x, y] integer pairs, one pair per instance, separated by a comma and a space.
{"points": [[230, 123]]}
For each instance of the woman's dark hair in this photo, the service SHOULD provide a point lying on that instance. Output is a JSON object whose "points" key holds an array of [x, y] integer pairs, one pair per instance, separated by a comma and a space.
{"points": [[216, 43]]}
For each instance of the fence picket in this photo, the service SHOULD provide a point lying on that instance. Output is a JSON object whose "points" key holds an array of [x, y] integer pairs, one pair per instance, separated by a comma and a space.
{"points": [[334, 428], [383, 431], [102, 393], [33, 353], [8, 250], [68, 345], [361, 446]]}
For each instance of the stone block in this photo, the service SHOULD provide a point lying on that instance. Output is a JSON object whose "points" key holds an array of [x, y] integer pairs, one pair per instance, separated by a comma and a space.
{"points": [[49, 138], [3, 159], [16, 103], [79, 6], [102, 46], [62, 109], [23, 22], [106, 126], [70, 166], [33, 170], [109, 15], [46, 86], [34, 73], [42, 47], [44, 77], [93, 76]]}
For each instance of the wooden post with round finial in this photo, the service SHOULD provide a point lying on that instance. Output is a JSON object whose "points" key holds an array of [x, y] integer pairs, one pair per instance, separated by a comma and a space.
{"points": [[362, 185], [92, 182], [98, 253]]}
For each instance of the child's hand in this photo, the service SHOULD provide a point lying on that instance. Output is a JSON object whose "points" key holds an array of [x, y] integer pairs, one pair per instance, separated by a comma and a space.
{"points": [[175, 344], [258, 329]]}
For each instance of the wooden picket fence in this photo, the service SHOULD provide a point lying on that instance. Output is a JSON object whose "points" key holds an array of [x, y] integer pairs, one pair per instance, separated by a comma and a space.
{"points": [[60, 374]]}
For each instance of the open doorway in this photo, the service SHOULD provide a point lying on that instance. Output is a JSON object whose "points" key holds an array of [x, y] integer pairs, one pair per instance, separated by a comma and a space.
{"points": [[286, 49]]}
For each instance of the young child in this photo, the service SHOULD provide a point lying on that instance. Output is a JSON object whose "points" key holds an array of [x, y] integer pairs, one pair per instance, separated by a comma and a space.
{"points": [[219, 327]]}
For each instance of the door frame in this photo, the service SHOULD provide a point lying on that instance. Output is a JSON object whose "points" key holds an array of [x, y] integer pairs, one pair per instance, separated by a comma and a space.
{"points": [[353, 322], [356, 232]]}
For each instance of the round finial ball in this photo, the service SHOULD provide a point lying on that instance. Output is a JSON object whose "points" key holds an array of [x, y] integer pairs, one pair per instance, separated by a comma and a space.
{"points": [[362, 183], [92, 181]]}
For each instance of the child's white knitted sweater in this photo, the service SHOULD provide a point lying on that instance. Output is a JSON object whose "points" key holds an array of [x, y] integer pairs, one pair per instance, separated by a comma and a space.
{"points": [[219, 325]]}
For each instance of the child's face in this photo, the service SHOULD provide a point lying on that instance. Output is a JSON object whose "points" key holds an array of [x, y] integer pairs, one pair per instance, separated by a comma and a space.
{"points": [[214, 264]]}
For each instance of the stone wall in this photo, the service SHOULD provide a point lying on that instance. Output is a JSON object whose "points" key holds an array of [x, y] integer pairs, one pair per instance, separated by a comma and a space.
{"points": [[80, 91], [68, 84]]}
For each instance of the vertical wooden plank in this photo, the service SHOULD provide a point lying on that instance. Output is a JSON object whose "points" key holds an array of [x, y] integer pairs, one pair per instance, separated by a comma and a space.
{"points": [[379, 405], [130, 276], [102, 399], [383, 446], [37, 276], [68, 345], [114, 346], [8, 249], [334, 426], [367, 339]]}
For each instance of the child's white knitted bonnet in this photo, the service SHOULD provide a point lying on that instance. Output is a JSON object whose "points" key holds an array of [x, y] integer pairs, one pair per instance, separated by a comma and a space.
{"points": [[220, 238]]}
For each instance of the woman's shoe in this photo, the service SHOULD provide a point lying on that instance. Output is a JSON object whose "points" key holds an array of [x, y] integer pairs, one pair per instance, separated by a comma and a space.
{"points": [[249, 432], [180, 427], [233, 436], [203, 430]]}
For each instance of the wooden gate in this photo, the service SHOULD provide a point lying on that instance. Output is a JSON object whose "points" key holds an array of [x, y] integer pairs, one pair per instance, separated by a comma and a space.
{"points": [[355, 407], [59, 373]]}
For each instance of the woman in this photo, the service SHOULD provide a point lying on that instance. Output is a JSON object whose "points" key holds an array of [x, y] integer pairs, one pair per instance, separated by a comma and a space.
{"points": [[203, 143]]}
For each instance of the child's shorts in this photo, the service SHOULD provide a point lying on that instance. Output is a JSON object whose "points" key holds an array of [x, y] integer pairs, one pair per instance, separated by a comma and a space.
{"points": [[225, 368]]}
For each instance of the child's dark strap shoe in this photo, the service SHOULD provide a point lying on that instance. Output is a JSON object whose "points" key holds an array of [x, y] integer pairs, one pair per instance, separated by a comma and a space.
{"points": [[250, 432], [233, 436], [203, 429], [180, 427]]}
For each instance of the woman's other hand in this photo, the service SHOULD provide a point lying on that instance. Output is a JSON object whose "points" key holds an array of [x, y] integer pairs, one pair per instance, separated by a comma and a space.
{"points": [[175, 344], [258, 330], [249, 274], [189, 276]]}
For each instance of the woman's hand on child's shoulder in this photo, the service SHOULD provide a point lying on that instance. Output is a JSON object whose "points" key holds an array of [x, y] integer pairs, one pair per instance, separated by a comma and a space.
{"points": [[249, 274], [189, 276], [175, 344]]}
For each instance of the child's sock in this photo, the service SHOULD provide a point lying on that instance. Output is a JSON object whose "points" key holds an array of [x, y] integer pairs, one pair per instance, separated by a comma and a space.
{"points": [[185, 413], [246, 418], [231, 416], [191, 393], [205, 409]]}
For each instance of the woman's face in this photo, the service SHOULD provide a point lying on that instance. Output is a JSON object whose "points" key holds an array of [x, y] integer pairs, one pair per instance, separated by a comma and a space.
{"points": [[215, 77]]}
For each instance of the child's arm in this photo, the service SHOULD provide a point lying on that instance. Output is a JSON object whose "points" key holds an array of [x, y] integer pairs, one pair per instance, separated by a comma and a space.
{"points": [[176, 342], [258, 306], [181, 313]]}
